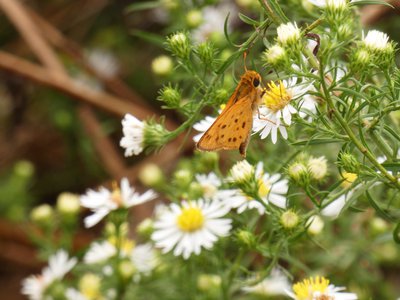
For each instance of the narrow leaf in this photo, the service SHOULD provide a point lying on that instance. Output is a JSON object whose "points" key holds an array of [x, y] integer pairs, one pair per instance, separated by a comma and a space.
{"points": [[248, 20], [383, 214]]}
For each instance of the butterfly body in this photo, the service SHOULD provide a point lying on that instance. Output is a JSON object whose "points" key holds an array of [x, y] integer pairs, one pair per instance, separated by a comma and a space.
{"points": [[231, 130]]}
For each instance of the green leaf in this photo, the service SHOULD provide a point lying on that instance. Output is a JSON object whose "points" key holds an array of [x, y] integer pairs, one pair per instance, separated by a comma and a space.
{"points": [[142, 6], [396, 233], [150, 37], [383, 214], [392, 132], [392, 166], [370, 2], [228, 39], [316, 142], [248, 20], [277, 10]]}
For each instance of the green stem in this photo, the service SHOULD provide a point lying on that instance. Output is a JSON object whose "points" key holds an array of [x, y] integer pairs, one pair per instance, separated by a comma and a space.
{"points": [[232, 272], [383, 146], [352, 136]]}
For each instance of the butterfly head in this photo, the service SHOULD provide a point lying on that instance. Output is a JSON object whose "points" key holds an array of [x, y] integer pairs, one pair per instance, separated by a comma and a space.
{"points": [[252, 77]]}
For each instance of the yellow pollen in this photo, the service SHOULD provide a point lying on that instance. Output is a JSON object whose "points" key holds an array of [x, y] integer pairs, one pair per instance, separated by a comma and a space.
{"points": [[190, 219], [116, 194], [263, 188], [276, 97], [305, 289], [126, 245], [222, 106]]}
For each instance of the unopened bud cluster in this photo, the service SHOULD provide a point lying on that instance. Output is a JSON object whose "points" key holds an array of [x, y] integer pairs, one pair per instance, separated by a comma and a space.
{"points": [[179, 45], [171, 96]]}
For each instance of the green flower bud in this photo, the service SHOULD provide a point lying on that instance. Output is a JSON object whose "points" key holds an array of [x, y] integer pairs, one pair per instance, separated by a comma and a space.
{"points": [[221, 95], [145, 228], [68, 204], [378, 226], [42, 215], [335, 11], [275, 56], [242, 172], [208, 282], [194, 18], [360, 59], [171, 96], [24, 168], [179, 45], [206, 53], [344, 31], [183, 177], [151, 175], [246, 238], [348, 162], [195, 190], [162, 65], [89, 286], [289, 219], [299, 174], [126, 269], [155, 135]]}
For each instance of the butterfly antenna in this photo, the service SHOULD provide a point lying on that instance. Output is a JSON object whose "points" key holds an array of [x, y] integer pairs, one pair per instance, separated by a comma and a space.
{"points": [[244, 60]]}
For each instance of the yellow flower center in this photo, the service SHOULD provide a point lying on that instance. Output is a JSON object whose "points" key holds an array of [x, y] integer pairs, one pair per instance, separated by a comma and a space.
{"points": [[349, 178], [116, 194], [263, 188], [304, 290], [276, 97], [190, 219], [126, 245]]}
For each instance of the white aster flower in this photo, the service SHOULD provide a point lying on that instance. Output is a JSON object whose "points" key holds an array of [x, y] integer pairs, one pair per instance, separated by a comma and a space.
{"points": [[318, 288], [59, 264], [213, 21], [202, 126], [333, 209], [276, 110], [103, 201], [188, 227], [376, 40], [211, 184], [103, 62], [132, 140], [274, 285], [73, 294], [242, 171], [99, 252], [144, 258], [288, 34], [334, 4]]}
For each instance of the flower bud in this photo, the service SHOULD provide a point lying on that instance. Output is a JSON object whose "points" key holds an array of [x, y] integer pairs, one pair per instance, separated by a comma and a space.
{"points": [[344, 31], [194, 18], [242, 172], [288, 35], [317, 167], [126, 269], [378, 44], [360, 59], [179, 45], [42, 214], [162, 65], [68, 204], [275, 56], [299, 174], [316, 224], [89, 286], [24, 168], [170, 4], [145, 228], [221, 95], [183, 177], [195, 190], [206, 53], [155, 135], [289, 219], [378, 226], [151, 175], [349, 162], [171, 96], [246, 238], [208, 282], [335, 11]]}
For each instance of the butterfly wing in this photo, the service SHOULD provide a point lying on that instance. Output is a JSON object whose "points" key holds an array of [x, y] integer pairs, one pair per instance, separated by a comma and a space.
{"points": [[231, 129]]}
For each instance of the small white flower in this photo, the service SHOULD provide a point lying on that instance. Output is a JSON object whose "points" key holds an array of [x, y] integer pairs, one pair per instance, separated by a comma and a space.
{"points": [[275, 54], [274, 285], [211, 187], [315, 225], [242, 202], [59, 264], [335, 4], [144, 258], [333, 209], [276, 110], [316, 288], [376, 40], [103, 201], [132, 140], [188, 227], [103, 62], [288, 34], [99, 252], [73, 294]]}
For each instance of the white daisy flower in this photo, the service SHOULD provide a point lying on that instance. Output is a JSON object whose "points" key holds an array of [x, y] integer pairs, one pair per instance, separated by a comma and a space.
{"points": [[59, 264], [99, 252], [211, 187], [213, 21], [103, 62], [333, 4], [73, 294], [202, 126], [188, 227], [376, 40], [103, 201], [277, 107], [132, 140], [274, 285], [144, 258], [318, 288], [333, 209]]}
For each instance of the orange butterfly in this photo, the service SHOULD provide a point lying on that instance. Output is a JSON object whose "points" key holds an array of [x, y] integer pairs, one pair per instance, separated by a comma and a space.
{"points": [[231, 130]]}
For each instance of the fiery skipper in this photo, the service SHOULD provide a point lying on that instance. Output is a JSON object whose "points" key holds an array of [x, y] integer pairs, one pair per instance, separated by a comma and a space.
{"points": [[231, 130]]}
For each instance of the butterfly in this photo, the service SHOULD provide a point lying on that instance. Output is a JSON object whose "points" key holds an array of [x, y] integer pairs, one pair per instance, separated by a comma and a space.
{"points": [[231, 130]]}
